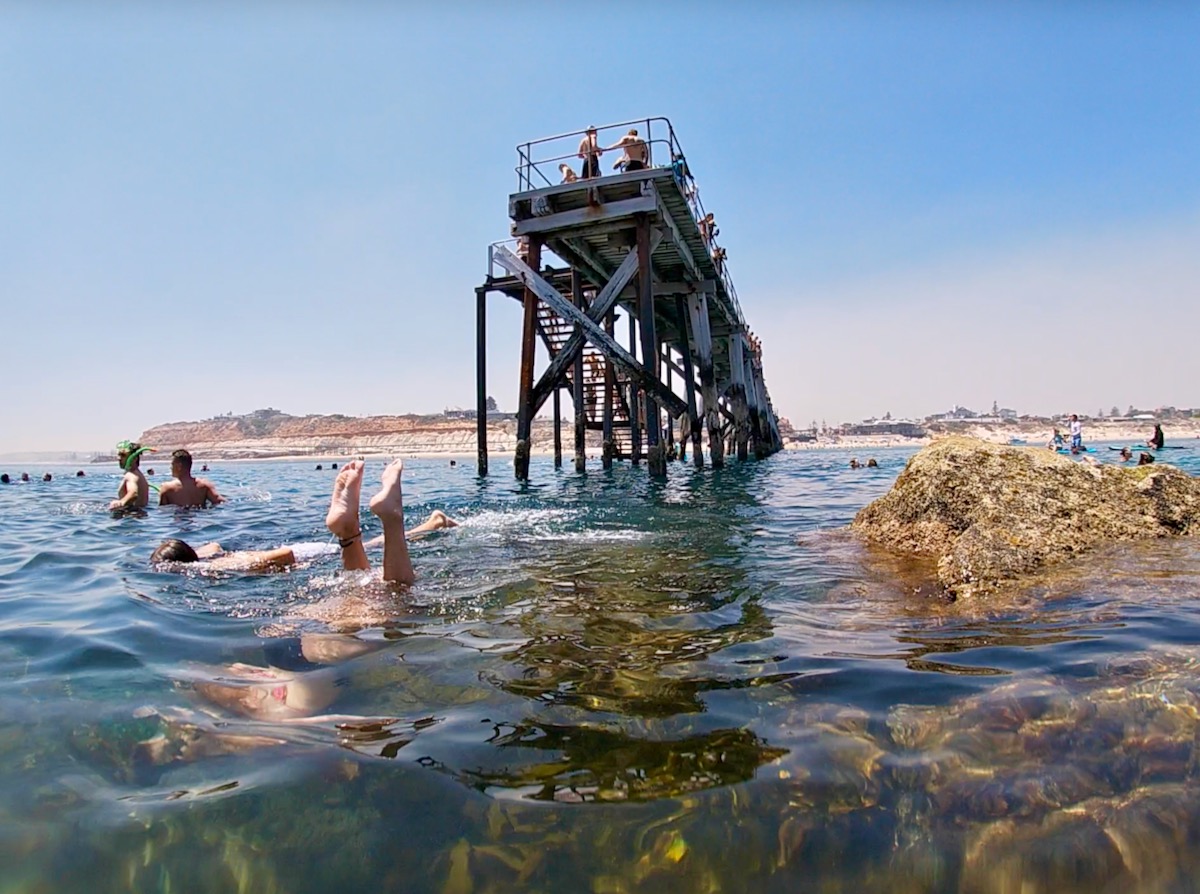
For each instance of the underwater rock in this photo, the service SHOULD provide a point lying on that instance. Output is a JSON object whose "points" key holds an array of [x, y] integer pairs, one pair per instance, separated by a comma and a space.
{"points": [[990, 514]]}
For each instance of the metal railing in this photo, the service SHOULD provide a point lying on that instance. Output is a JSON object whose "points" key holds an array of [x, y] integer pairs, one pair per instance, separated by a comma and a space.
{"points": [[548, 153]]}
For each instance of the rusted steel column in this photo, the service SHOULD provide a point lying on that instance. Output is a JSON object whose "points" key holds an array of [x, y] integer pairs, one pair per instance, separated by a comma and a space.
{"points": [[525, 385], [481, 380], [577, 381], [610, 385], [557, 429], [689, 383], [655, 450]]}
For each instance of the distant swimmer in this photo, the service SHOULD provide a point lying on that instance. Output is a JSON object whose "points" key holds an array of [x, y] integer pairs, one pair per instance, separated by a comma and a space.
{"points": [[1145, 459], [47, 477], [855, 464], [342, 522], [25, 476], [186, 490], [635, 156], [4, 479], [1157, 439], [872, 464], [134, 491], [80, 474], [1126, 454]]}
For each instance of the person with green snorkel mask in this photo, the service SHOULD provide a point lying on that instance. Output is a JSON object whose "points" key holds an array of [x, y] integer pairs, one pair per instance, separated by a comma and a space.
{"points": [[134, 492]]}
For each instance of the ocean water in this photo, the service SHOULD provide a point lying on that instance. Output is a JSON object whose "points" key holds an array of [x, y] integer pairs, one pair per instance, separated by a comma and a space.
{"points": [[599, 683]]}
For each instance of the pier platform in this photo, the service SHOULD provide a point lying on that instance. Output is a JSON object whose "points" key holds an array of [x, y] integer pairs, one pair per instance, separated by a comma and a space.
{"points": [[639, 243]]}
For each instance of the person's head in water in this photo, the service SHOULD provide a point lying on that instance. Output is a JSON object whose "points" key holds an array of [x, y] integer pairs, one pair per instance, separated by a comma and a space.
{"points": [[173, 551], [4, 479], [181, 463], [1145, 459], [47, 477], [80, 474], [24, 476], [1126, 453], [129, 455], [871, 464]]}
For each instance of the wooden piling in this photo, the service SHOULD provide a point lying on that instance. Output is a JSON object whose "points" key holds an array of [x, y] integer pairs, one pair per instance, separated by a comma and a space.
{"points": [[655, 450], [737, 396]]}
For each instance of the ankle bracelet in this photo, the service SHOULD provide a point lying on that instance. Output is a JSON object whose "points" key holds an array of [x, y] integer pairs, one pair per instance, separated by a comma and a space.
{"points": [[345, 543]]}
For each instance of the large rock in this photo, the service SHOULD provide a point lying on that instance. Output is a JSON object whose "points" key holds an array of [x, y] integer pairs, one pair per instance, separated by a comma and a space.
{"points": [[990, 514]]}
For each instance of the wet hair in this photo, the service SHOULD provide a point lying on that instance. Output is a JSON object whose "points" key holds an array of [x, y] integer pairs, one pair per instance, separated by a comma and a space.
{"points": [[173, 551], [184, 458], [1145, 459], [4, 479], [47, 477], [80, 474]]}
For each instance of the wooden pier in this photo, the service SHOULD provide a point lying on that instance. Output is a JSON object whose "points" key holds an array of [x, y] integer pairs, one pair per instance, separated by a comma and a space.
{"points": [[638, 241]]}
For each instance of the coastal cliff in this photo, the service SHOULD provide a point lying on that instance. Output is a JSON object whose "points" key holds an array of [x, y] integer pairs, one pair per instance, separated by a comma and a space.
{"points": [[269, 434]]}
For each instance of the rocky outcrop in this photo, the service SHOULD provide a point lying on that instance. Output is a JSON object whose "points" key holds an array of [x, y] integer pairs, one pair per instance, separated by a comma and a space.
{"points": [[991, 515]]}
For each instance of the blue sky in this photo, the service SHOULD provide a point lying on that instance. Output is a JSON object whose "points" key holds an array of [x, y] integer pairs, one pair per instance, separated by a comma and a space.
{"points": [[210, 208]]}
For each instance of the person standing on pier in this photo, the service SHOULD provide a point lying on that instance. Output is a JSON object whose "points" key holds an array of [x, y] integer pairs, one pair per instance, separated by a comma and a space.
{"points": [[635, 156], [590, 152]]}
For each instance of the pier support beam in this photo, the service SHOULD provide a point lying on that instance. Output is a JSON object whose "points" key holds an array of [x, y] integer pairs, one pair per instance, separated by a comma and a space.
{"points": [[557, 429], [525, 409], [577, 381], [609, 449], [737, 395], [635, 405], [698, 311], [655, 450], [689, 382], [481, 380]]}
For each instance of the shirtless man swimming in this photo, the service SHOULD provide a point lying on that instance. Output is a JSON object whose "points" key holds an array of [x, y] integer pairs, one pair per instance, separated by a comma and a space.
{"points": [[134, 490], [342, 522], [635, 156], [186, 490]]}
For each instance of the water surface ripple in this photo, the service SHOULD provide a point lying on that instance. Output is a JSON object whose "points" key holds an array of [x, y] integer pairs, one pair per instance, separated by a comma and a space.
{"points": [[599, 683]]}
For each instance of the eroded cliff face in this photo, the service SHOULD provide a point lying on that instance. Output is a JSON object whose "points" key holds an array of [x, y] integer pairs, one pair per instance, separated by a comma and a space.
{"points": [[268, 434]]}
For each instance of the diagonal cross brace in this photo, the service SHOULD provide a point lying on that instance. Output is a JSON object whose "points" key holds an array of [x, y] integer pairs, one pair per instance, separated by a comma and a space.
{"points": [[602, 304], [591, 331]]}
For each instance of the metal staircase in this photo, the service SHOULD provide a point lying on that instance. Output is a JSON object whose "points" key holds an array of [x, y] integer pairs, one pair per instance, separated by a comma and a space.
{"points": [[555, 331]]}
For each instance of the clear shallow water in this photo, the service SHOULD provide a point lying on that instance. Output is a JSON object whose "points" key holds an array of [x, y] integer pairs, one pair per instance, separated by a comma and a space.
{"points": [[600, 684]]}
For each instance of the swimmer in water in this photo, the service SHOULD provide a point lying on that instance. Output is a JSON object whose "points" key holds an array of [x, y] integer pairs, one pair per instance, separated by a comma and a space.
{"points": [[186, 490], [342, 521], [134, 491]]}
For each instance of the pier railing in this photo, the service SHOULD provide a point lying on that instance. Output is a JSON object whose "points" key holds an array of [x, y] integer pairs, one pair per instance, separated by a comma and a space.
{"points": [[538, 167]]}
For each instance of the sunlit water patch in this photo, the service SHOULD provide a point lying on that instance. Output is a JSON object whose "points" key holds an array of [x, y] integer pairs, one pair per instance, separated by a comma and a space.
{"points": [[598, 683]]}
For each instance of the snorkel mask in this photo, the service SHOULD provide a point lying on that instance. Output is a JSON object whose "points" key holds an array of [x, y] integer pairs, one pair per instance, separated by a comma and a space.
{"points": [[128, 448]]}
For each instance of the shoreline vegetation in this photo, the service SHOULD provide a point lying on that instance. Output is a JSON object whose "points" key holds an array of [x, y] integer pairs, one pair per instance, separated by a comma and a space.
{"points": [[272, 435]]}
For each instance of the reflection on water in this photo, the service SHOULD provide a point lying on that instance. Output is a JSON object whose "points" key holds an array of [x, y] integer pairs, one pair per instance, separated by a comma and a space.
{"points": [[598, 683]]}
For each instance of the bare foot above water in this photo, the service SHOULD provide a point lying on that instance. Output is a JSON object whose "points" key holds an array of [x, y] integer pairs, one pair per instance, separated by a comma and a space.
{"points": [[342, 518], [388, 504]]}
